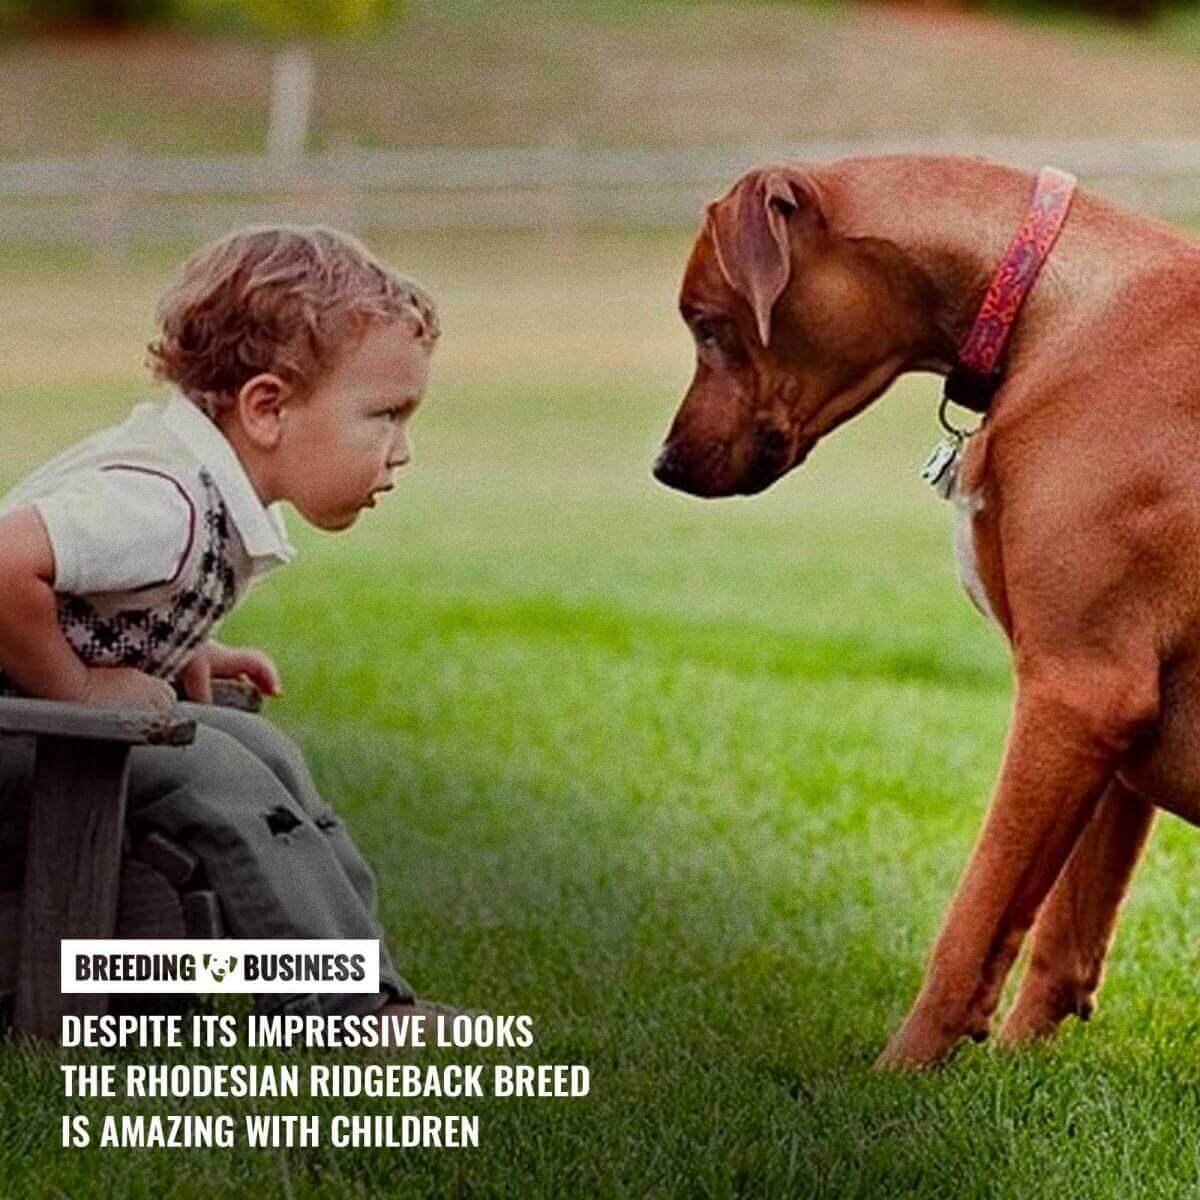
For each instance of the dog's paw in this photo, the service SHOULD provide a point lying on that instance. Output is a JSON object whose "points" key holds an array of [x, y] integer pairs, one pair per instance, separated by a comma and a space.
{"points": [[921, 1044], [1038, 1021]]}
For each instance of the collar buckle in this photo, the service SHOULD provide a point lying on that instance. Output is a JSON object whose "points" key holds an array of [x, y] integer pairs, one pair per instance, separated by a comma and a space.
{"points": [[969, 388]]}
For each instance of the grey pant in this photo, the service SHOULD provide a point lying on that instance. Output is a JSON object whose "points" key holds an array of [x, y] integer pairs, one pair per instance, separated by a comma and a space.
{"points": [[242, 800]]}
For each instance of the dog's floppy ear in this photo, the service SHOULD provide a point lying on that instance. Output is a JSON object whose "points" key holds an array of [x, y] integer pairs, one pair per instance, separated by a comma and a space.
{"points": [[749, 229]]}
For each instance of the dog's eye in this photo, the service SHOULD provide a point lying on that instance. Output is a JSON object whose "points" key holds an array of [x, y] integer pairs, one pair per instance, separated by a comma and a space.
{"points": [[707, 333]]}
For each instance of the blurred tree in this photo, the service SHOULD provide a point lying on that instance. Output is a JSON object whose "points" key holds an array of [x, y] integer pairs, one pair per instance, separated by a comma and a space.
{"points": [[95, 14], [292, 19], [1122, 10], [1137, 11], [299, 20]]}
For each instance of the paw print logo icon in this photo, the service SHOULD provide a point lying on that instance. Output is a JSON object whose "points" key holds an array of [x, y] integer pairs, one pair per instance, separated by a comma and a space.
{"points": [[219, 966]]}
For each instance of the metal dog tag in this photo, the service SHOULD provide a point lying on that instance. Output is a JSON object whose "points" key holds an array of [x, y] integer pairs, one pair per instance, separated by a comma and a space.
{"points": [[941, 467]]}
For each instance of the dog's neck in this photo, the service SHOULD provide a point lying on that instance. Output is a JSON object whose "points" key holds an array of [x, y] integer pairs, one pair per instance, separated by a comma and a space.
{"points": [[951, 220]]}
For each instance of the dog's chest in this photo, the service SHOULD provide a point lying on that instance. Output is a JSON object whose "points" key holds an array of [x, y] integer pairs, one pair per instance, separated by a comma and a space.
{"points": [[965, 505]]}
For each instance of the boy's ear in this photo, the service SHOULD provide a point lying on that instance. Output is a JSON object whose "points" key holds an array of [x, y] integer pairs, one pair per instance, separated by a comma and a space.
{"points": [[259, 408]]}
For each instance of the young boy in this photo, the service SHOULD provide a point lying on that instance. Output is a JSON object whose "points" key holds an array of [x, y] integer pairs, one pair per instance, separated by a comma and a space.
{"points": [[296, 362]]}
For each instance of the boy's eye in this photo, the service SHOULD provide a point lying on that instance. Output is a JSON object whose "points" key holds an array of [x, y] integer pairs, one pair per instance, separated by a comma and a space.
{"points": [[398, 412]]}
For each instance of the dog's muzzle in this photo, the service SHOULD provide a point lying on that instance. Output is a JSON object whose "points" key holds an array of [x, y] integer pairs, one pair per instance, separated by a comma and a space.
{"points": [[670, 470], [704, 473], [772, 457]]}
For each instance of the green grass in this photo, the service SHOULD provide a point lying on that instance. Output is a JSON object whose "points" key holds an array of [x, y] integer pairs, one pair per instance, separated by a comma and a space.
{"points": [[690, 783]]}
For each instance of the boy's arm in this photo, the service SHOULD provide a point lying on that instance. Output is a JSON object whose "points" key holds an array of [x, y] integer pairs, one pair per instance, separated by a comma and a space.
{"points": [[33, 649]]}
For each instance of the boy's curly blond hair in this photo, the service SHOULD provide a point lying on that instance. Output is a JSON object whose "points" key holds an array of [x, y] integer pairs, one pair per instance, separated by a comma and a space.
{"points": [[280, 299]]}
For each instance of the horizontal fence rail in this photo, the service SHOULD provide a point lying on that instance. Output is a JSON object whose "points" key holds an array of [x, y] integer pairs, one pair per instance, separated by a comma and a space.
{"points": [[115, 196]]}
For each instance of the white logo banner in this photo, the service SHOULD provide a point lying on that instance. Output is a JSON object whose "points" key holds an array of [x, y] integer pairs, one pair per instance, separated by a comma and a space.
{"points": [[206, 965]]}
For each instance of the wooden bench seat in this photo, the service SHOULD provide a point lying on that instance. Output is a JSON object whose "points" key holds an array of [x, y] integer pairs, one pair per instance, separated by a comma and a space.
{"points": [[82, 877]]}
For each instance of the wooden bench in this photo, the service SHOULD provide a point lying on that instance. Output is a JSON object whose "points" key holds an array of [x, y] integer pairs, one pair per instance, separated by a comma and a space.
{"points": [[82, 876]]}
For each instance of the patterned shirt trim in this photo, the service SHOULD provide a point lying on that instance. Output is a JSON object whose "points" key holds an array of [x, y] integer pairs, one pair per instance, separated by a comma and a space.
{"points": [[191, 532]]}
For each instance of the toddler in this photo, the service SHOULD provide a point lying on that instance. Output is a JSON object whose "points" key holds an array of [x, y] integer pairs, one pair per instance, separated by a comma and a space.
{"points": [[296, 361]]}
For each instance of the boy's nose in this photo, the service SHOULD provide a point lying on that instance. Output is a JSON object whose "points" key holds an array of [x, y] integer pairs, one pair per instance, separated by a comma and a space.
{"points": [[401, 451]]}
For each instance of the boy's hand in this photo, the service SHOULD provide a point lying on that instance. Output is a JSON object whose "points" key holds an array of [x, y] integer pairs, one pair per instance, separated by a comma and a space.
{"points": [[126, 687], [215, 661]]}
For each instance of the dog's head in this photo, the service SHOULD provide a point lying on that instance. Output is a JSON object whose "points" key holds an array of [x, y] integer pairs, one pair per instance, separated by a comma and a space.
{"points": [[796, 330], [219, 966]]}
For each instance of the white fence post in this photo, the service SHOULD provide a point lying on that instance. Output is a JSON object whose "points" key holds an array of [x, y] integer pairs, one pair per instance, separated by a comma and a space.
{"points": [[292, 90]]}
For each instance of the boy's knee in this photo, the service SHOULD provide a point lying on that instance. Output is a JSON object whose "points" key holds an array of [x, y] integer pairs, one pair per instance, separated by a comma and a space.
{"points": [[258, 735], [216, 772], [283, 756]]}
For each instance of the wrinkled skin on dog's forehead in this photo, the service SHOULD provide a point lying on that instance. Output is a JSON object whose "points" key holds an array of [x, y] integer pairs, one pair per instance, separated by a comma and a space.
{"points": [[782, 317]]}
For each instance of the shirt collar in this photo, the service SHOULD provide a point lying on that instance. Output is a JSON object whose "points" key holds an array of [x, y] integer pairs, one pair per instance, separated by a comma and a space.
{"points": [[260, 526]]}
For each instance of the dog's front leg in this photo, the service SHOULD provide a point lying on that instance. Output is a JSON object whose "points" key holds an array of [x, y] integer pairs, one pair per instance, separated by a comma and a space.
{"points": [[1070, 727], [1075, 925]]}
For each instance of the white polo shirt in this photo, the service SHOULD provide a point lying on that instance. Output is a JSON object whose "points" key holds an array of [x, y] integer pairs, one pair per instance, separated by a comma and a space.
{"points": [[156, 531]]}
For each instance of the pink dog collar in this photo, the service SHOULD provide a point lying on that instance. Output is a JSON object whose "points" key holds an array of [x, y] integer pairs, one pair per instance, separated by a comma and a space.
{"points": [[976, 375]]}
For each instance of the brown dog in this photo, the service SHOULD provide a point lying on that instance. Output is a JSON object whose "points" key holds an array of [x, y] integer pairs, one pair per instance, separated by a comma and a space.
{"points": [[809, 290]]}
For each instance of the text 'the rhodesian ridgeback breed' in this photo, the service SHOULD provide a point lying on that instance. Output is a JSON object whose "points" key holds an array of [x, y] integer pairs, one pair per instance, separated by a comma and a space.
{"points": [[808, 291]]}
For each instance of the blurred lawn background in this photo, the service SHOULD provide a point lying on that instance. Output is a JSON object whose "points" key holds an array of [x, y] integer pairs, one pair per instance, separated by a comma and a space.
{"points": [[691, 783], [613, 72]]}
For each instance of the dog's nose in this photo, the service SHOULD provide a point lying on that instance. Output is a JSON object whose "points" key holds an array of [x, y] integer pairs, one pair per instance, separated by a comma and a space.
{"points": [[667, 469]]}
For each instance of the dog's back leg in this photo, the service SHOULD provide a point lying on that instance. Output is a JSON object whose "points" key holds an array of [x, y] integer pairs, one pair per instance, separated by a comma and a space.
{"points": [[1075, 924], [1073, 723]]}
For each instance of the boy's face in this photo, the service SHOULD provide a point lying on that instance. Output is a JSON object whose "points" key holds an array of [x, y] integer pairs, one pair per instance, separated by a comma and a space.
{"points": [[340, 444]]}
